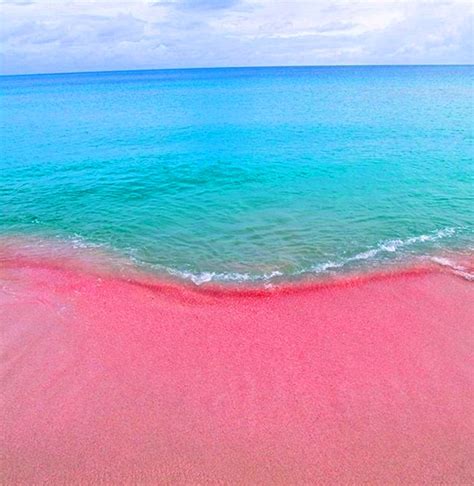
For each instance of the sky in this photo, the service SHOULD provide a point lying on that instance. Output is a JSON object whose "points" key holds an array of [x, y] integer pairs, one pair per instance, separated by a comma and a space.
{"points": [[41, 36]]}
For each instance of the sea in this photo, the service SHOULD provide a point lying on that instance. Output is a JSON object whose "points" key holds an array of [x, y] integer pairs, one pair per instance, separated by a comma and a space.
{"points": [[242, 175]]}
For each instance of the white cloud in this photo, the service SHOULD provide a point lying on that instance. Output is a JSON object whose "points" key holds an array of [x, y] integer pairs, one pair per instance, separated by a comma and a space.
{"points": [[70, 35]]}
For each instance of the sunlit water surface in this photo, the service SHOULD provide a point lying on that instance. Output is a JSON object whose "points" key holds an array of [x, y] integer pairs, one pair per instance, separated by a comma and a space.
{"points": [[248, 174]]}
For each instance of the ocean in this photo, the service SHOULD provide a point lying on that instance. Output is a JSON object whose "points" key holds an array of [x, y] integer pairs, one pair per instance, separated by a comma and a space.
{"points": [[242, 175]]}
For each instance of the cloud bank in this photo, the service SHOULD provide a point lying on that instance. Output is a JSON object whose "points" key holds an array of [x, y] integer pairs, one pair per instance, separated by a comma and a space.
{"points": [[78, 35]]}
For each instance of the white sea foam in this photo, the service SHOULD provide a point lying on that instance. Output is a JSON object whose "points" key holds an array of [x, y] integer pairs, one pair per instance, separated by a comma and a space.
{"points": [[454, 267], [389, 247], [79, 241], [323, 267], [385, 250], [205, 277]]}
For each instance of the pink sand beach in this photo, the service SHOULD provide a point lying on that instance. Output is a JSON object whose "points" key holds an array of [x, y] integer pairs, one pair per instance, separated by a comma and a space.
{"points": [[366, 380]]}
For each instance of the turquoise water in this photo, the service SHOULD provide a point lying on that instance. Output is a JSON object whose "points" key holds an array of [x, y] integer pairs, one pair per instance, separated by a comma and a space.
{"points": [[243, 174]]}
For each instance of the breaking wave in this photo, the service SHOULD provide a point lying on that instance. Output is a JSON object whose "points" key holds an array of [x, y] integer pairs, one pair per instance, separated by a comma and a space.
{"points": [[421, 247], [378, 254], [455, 267]]}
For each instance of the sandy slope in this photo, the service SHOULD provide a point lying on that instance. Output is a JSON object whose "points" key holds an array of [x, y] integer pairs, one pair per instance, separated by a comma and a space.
{"points": [[111, 380]]}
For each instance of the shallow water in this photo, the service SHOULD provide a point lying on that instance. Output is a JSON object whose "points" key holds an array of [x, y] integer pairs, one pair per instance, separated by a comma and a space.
{"points": [[243, 174]]}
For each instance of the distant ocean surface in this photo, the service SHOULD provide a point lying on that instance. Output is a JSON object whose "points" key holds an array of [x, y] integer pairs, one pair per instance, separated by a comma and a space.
{"points": [[242, 174]]}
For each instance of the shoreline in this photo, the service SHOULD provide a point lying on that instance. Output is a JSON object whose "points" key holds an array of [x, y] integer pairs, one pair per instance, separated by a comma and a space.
{"points": [[367, 379], [97, 260]]}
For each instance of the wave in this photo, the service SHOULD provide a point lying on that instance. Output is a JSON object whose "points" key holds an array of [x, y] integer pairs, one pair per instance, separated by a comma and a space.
{"points": [[387, 247], [385, 252], [455, 267], [391, 246], [205, 277]]}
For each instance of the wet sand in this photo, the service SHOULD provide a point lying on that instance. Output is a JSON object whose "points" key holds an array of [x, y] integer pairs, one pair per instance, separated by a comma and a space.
{"points": [[363, 380]]}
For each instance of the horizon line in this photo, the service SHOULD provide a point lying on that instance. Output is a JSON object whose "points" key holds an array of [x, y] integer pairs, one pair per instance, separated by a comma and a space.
{"points": [[59, 73]]}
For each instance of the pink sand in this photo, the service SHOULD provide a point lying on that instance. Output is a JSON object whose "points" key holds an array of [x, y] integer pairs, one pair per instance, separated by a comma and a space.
{"points": [[362, 380]]}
